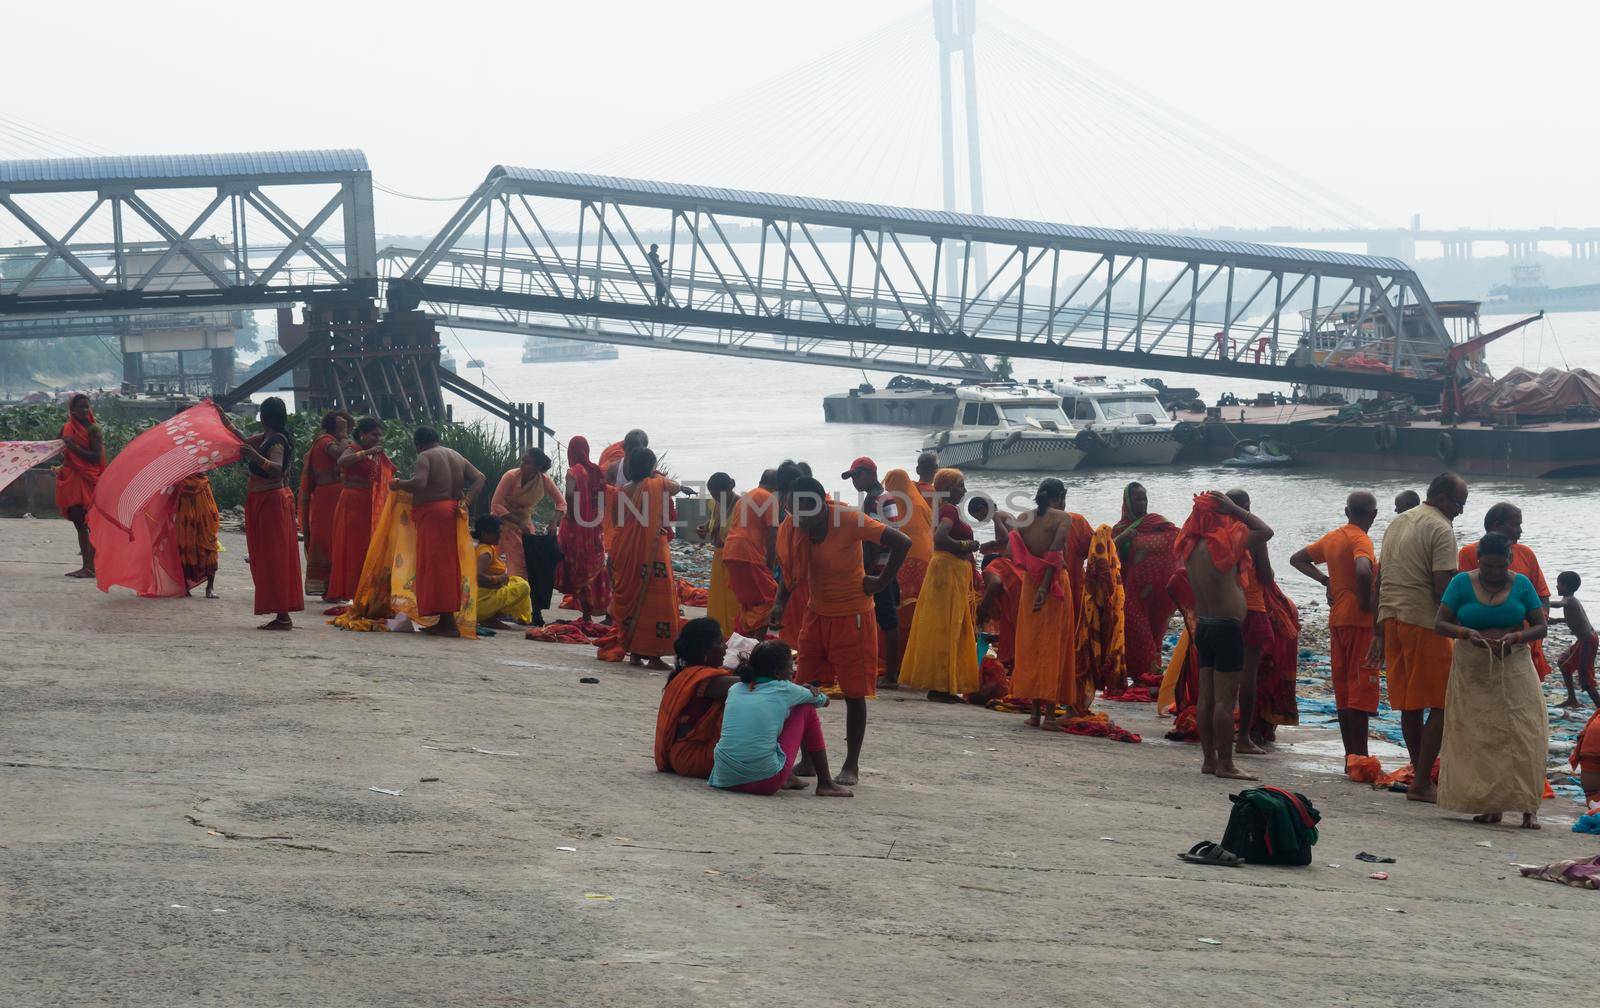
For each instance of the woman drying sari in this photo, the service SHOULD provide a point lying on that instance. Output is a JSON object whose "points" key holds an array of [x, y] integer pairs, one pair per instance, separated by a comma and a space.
{"points": [[1146, 547]]}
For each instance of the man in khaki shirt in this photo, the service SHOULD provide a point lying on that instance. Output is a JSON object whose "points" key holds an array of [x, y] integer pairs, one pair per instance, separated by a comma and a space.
{"points": [[1416, 563]]}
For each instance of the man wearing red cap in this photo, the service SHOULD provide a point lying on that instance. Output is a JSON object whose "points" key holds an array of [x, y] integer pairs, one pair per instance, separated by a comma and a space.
{"points": [[748, 555], [863, 475]]}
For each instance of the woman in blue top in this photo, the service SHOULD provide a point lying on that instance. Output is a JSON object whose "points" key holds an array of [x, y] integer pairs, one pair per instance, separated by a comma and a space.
{"points": [[766, 722], [1496, 732]]}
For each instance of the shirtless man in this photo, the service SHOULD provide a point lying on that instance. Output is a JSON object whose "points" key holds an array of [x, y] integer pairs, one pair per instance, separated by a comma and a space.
{"points": [[1577, 663], [442, 483], [1258, 635], [982, 509], [1216, 550]]}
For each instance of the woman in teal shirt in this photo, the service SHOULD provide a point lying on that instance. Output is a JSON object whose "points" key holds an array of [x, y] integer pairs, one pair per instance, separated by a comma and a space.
{"points": [[766, 722], [1496, 731]]}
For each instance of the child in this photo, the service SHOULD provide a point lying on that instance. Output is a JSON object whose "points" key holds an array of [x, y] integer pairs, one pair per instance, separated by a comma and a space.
{"points": [[195, 527], [766, 722], [1578, 660], [500, 595]]}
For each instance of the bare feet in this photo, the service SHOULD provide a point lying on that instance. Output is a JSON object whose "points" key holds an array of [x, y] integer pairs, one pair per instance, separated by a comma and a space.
{"points": [[794, 783], [1487, 818], [1208, 768], [833, 791], [1228, 772], [496, 623], [211, 594], [277, 623], [1246, 746], [1530, 820], [1033, 721], [442, 630], [635, 661], [803, 768], [1422, 793], [847, 775], [1570, 703], [1050, 724], [81, 572]]}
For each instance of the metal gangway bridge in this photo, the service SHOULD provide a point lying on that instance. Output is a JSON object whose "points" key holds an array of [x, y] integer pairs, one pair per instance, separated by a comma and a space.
{"points": [[735, 273]]}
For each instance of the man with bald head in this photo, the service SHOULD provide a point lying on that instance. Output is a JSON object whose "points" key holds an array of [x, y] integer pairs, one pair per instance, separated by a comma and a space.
{"points": [[927, 465], [1405, 500], [1347, 553], [1415, 565]]}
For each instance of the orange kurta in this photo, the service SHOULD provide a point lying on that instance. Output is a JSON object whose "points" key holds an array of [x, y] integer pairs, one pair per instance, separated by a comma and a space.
{"points": [[439, 576], [744, 558], [688, 755], [644, 591], [1524, 562], [271, 540], [791, 564]]}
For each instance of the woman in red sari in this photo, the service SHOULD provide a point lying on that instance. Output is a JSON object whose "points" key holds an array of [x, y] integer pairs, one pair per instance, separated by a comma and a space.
{"points": [[579, 536], [82, 461], [319, 499], [644, 592], [269, 533], [359, 468], [1145, 543]]}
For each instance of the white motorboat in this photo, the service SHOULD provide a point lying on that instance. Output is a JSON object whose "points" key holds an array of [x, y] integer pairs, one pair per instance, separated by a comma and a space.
{"points": [[1007, 426], [1122, 423]]}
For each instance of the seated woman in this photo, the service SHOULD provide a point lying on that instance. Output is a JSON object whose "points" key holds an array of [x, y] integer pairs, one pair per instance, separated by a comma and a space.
{"points": [[500, 595], [766, 723], [690, 719], [1496, 730]]}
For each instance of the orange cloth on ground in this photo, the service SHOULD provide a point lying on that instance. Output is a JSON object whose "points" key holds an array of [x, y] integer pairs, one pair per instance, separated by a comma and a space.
{"points": [[1339, 550], [754, 515], [689, 755], [439, 577], [77, 477], [353, 519], [754, 590], [274, 548], [842, 650], [1524, 562], [195, 524], [833, 567], [1418, 661], [644, 598], [319, 499], [791, 565], [1355, 682], [1363, 769]]}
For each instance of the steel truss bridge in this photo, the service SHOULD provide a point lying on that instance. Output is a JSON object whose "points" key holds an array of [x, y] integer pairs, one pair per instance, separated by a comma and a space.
{"points": [[743, 274]]}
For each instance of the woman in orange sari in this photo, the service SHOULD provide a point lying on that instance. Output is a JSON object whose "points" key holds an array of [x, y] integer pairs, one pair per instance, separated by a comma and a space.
{"points": [[195, 525], [319, 499], [82, 462], [583, 573], [353, 517], [644, 599], [1146, 545], [914, 517], [689, 721]]}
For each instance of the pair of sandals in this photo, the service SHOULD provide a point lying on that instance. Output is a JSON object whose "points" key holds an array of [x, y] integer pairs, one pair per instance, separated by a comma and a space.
{"points": [[1207, 853]]}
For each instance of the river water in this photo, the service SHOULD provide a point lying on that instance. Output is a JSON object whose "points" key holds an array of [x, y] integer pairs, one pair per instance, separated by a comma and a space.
{"points": [[707, 413]]}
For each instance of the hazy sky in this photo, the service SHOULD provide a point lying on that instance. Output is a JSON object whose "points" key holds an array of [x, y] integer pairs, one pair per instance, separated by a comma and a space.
{"points": [[1468, 113]]}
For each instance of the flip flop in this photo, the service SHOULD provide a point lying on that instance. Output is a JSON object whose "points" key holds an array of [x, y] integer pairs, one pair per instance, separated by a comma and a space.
{"points": [[1207, 853]]}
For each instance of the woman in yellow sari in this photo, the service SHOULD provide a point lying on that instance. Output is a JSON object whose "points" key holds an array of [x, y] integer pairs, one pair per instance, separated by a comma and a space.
{"points": [[941, 653]]}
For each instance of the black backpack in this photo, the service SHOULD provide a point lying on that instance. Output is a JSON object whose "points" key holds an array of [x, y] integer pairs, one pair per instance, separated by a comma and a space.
{"points": [[1269, 825]]}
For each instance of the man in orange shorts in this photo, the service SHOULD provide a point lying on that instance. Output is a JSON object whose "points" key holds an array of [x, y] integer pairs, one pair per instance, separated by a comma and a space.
{"points": [[1415, 565], [839, 636], [1347, 553]]}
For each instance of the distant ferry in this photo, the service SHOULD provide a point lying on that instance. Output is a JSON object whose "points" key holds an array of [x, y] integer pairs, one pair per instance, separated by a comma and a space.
{"points": [[545, 350]]}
